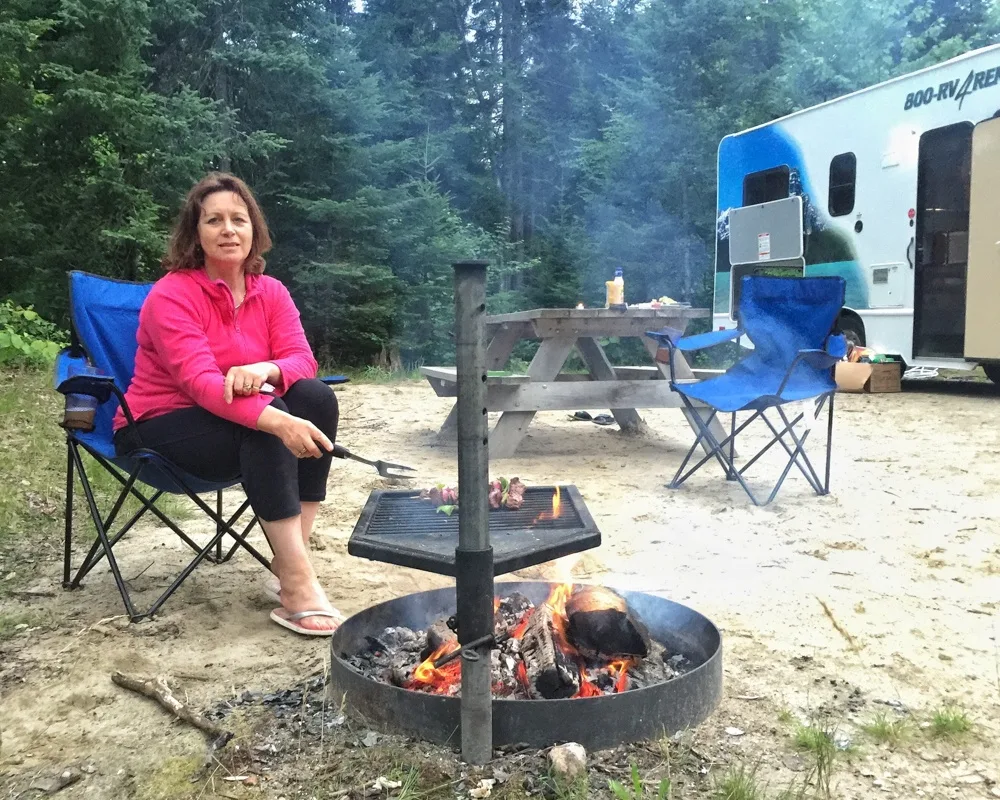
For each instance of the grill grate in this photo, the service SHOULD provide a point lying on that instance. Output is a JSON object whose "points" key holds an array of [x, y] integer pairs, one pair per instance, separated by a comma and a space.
{"points": [[397, 527]]}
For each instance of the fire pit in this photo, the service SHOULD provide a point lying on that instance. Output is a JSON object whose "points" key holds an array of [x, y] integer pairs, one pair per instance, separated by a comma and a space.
{"points": [[672, 680], [610, 668]]}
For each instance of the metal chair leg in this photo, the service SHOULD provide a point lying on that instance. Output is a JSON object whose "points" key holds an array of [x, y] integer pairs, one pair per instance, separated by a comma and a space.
{"points": [[829, 445], [218, 526], [68, 540], [102, 534]]}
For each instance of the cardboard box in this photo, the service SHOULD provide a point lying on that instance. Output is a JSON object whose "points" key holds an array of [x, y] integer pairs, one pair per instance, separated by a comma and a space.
{"points": [[886, 377], [852, 377], [869, 378]]}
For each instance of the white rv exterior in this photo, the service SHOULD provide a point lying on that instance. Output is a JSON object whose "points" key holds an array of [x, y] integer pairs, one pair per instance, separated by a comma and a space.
{"points": [[884, 175]]}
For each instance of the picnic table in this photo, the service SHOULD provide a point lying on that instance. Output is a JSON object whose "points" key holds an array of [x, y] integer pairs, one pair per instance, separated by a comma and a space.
{"points": [[544, 387]]}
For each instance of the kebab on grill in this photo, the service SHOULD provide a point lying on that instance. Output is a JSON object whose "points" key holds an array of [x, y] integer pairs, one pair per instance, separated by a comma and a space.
{"points": [[503, 493]]}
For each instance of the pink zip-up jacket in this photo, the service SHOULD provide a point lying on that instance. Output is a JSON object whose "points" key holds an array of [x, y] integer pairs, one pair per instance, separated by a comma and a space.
{"points": [[190, 336]]}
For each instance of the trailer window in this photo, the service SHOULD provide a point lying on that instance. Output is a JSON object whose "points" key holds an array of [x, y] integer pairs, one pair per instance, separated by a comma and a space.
{"points": [[843, 173], [765, 186]]}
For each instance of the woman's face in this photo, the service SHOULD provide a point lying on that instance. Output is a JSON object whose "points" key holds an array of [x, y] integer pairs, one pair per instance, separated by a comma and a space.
{"points": [[224, 229]]}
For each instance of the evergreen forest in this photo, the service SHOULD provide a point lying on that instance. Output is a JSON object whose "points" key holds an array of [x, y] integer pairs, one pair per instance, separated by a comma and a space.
{"points": [[386, 139]]}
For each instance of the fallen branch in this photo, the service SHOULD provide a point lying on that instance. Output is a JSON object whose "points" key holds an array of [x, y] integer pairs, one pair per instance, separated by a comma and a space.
{"points": [[157, 689], [840, 628]]}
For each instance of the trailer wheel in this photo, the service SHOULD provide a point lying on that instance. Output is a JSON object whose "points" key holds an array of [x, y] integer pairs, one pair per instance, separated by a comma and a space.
{"points": [[853, 329], [992, 372]]}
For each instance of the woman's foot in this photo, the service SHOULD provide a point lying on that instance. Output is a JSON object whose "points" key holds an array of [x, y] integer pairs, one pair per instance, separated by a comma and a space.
{"points": [[272, 589], [306, 595]]}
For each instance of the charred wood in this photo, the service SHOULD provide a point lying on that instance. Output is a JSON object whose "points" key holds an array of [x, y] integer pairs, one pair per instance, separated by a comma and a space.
{"points": [[656, 668], [550, 674], [601, 625]]}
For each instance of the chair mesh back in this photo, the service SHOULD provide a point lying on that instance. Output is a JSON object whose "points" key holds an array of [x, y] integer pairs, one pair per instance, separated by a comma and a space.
{"points": [[784, 315], [105, 314]]}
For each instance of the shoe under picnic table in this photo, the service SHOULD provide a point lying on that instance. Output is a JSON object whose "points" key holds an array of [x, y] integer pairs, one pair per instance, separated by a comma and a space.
{"points": [[600, 419]]}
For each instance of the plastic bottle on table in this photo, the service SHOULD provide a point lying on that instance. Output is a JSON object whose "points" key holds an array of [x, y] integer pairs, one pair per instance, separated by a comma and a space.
{"points": [[616, 290]]}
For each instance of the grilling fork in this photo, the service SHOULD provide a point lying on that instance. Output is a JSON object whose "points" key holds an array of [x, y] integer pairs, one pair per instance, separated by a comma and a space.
{"points": [[383, 467]]}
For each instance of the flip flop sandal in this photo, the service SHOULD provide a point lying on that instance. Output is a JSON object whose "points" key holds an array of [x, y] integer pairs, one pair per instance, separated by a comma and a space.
{"points": [[289, 622], [603, 419], [580, 415]]}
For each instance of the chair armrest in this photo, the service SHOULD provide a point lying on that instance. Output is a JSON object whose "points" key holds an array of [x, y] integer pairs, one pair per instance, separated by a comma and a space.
{"points": [[700, 341], [99, 386], [673, 339], [833, 351]]}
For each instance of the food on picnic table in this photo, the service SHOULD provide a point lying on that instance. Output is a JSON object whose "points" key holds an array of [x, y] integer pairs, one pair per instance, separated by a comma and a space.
{"points": [[503, 493]]}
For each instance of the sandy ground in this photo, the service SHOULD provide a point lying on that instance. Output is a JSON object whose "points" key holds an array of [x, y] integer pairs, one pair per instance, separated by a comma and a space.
{"points": [[904, 553]]}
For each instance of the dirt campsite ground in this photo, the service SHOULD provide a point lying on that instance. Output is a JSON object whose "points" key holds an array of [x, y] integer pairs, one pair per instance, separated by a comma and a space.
{"points": [[878, 601]]}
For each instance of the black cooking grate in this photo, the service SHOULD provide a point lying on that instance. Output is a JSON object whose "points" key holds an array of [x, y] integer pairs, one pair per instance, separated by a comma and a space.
{"points": [[397, 527]]}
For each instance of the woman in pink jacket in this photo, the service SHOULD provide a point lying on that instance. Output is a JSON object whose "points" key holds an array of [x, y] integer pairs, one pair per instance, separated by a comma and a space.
{"points": [[225, 385]]}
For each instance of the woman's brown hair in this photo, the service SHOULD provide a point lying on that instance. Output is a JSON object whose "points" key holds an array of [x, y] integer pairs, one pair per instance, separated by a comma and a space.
{"points": [[184, 249]]}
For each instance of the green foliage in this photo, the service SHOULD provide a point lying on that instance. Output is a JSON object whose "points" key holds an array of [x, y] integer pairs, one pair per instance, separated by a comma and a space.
{"points": [[738, 783], [386, 140], [26, 339], [885, 729], [637, 789], [950, 722], [818, 742]]}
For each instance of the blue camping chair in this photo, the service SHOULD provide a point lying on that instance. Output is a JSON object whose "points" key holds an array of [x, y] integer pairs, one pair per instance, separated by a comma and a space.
{"points": [[105, 317], [791, 323]]}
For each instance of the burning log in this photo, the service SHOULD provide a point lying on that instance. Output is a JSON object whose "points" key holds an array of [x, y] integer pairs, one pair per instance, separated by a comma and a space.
{"points": [[601, 625], [548, 673]]}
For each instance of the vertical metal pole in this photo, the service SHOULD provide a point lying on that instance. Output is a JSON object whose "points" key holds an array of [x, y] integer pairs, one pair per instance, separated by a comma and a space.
{"points": [[474, 556]]}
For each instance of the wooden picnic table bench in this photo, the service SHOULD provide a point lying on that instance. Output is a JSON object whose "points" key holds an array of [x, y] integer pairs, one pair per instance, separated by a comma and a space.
{"points": [[544, 387]]}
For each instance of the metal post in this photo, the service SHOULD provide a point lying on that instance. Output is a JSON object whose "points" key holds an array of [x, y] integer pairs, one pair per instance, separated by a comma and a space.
{"points": [[474, 556]]}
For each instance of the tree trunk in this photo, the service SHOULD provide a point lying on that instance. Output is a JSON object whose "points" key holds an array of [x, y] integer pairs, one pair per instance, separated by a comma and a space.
{"points": [[511, 115], [221, 87]]}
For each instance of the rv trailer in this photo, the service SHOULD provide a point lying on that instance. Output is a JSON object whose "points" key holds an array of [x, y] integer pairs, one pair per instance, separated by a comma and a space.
{"points": [[897, 189]]}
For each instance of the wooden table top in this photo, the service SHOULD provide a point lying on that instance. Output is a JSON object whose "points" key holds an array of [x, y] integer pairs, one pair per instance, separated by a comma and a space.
{"points": [[556, 314]]}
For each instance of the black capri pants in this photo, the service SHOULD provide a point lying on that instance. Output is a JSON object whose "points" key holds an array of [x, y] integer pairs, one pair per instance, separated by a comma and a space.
{"points": [[215, 449]]}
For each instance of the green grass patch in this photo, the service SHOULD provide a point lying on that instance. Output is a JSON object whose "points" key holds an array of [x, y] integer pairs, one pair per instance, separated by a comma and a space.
{"points": [[888, 729], [638, 789], [33, 461], [32, 457], [373, 374], [818, 743], [739, 783], [11, 624], [950, 722]]}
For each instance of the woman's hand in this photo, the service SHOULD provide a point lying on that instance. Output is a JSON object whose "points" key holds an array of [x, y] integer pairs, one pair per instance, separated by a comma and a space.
{"points": [[299, 435], [246, 381]]}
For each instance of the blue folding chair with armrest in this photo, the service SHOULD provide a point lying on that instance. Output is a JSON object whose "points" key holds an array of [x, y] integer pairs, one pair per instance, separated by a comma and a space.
{"points": [[791, 323], [105, 317]]}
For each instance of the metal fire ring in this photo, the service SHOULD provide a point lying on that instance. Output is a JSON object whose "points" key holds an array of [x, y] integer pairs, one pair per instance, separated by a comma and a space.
{"points": [[594, 722]]}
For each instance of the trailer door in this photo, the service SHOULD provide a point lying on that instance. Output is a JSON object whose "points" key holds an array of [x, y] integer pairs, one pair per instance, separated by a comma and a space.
{"points": [[982, 317], [942, 241]]}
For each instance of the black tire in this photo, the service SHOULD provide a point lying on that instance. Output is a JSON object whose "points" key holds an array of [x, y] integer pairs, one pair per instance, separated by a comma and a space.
{"points": [[853, 328], [992, 372]]}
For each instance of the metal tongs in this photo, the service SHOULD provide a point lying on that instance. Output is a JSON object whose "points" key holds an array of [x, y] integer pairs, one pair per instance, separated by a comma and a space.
{"points": [[383, 467]]}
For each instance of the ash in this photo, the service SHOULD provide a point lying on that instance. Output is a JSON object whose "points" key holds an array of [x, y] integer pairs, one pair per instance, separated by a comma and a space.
{"points": [[394, 655], [303, 708]]}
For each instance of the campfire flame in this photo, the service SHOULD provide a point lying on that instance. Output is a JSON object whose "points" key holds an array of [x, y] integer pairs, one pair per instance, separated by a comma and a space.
{"points": [[445, 680], [556, 509], [434, 680]]}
